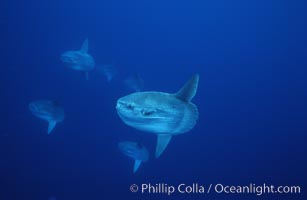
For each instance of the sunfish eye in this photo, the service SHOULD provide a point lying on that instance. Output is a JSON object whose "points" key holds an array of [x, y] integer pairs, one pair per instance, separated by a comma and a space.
{"points": [[146, 113]]}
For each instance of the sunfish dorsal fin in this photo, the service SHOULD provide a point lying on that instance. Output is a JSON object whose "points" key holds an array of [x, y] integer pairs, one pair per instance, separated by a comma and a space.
{"points": [[188, 91], [51, 126], [162, 142], [84, 47], [137, 164]]}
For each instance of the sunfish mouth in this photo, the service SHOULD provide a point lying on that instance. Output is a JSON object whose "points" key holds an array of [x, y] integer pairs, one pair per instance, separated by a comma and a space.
{"points": [[128, 119], [122, 104]]}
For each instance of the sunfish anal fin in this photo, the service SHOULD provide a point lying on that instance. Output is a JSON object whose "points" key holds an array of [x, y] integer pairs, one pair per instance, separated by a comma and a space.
{"points": [[51, 126], [137, 164], [84, 47], [162, 142], [188, 91]]}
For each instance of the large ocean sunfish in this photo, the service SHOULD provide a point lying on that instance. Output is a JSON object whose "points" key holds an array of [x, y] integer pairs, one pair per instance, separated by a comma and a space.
{"points": [[163, 114], [49, 111], [79, 59], [135, 151]]}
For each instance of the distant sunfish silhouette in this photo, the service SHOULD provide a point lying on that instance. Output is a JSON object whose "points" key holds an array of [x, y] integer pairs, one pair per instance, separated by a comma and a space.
{"points": [[108, 71], [79, 60], [135, 83], [135, 151], [49, 111], [161, 113]]}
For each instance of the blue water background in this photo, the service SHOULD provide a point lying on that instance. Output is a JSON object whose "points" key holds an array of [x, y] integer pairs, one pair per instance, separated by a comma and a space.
{"points": [[251, 57]]}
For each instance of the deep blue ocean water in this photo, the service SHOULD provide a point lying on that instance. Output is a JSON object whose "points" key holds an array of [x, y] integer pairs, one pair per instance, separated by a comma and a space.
{"points": [[252, 60]]}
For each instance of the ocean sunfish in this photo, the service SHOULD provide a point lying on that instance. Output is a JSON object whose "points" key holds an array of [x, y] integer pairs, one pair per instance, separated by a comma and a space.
{"points": [[49, 111], [135, 83], [136, 151], [79, 59], [108, 71], [163, 114]]}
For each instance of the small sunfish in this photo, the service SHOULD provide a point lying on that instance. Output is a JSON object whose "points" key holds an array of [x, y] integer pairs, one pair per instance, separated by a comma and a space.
{"points": [[135, 83], [136, 151], [49, 111], [79, 59], [108, 71]]}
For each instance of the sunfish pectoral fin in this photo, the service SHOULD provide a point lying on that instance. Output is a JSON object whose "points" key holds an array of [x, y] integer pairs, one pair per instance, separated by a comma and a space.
{"points": [[51, 126], [87, 75], [162, 142], [188, 91], [84, 47], [137, 164]]}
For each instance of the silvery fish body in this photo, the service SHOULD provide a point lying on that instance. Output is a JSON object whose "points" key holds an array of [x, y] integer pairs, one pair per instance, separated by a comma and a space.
{"points": [[136, 151], [80, 59], [163, 114], [49, 111]]}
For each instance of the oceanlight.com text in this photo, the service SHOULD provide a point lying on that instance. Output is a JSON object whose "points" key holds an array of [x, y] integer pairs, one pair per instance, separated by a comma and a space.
{"points": [[197, 188]]}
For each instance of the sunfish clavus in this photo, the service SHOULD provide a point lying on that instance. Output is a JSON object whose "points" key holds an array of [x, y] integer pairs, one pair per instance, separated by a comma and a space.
{"points": [[163, 114], [49, 111]]}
